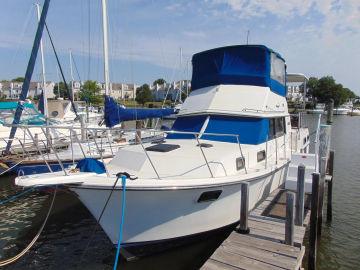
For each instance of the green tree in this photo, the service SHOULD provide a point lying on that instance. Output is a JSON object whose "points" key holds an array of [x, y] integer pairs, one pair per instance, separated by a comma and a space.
{"points": [[90, 92], [60, 90], [18, 79], [159, 81], [143, 94], [326, 88]]}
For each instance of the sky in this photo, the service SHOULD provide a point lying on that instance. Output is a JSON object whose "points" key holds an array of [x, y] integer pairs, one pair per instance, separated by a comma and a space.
{"points": [[316, 37]]}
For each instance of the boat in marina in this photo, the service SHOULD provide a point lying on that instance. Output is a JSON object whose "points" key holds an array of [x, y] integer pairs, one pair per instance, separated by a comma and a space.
{"points": [[344, 109], [319, 109], [233, 128]]}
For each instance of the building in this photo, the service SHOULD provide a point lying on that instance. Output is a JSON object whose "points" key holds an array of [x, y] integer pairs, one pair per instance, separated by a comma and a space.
{"points": [[120, 90], [12, 90], [295, 93]]}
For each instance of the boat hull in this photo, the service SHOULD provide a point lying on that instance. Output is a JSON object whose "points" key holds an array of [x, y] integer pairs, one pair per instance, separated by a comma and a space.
{"points": [[168, 214]]}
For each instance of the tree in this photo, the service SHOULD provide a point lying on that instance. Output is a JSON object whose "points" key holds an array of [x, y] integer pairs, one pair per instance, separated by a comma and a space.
{"points": [[326, 88], [143, 94], [18, 79], [90, 92], [61, 91], [160, 81]]}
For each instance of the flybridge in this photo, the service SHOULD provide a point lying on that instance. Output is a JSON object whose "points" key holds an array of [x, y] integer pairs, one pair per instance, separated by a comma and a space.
{"points": [[254, 65]]}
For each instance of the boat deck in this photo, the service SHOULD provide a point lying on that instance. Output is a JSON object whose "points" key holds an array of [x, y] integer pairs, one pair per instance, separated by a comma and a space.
{"points": [[263, 247]]}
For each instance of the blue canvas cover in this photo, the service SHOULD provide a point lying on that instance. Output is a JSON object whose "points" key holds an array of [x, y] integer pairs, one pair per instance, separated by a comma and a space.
{"points": [[249, 130], [115, 113], [91, 165], [236, 65]]}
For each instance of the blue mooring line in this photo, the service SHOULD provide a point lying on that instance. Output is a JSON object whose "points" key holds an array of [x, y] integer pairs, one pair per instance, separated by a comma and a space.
{"points": [[18, 195], [123, 182]]}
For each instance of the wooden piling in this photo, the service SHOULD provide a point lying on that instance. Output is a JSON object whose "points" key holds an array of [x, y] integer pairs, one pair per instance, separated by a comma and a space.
{"points": [[314, 221], [289, 222], [330, 187], [300, 196], [330, 112], [244, 209], [321, 194]]}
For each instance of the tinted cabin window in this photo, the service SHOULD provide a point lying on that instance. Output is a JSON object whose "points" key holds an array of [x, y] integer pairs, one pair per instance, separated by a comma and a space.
{"points": [[276, 127]]}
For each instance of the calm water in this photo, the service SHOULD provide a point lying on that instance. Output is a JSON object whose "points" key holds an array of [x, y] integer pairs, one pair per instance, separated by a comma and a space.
{"points": [[71, 227]]}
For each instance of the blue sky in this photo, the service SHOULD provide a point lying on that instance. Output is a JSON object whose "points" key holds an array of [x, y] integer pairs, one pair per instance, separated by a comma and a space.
{"points": [[316, 37]]}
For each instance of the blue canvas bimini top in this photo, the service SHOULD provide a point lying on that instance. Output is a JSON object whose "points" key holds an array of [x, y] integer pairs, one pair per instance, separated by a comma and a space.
{"points": [[239, 65]]}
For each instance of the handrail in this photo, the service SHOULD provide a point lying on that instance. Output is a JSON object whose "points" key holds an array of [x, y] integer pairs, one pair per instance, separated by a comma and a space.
{"points": [[202, 151], [37, 147], [147, 155], [92, 130], [241, 153]]}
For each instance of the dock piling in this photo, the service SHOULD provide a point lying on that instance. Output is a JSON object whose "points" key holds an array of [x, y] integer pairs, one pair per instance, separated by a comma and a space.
{"points": [[330, 112], [314, 221], [330, 187], [289, 222], [300, 196], [244, 209]]}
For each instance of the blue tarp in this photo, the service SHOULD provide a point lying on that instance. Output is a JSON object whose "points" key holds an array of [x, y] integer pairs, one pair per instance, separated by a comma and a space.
{"points": [[250, 130], [115, 113], [236, 65], [91, 165]]}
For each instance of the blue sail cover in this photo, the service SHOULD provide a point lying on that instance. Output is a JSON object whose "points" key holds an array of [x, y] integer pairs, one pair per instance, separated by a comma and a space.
{"points": [[115, 114], [239, 65]]}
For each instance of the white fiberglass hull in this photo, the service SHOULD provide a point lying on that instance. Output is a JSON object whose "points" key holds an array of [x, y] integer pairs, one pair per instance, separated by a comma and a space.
{"points": [[166, 214]]}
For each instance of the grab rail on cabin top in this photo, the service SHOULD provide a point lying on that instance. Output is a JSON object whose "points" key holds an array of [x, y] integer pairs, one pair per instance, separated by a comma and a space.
{"points": [[72, 131]]}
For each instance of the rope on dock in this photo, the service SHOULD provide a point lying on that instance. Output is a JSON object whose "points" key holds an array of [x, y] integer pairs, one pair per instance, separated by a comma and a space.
{"points": [[31, 244]]}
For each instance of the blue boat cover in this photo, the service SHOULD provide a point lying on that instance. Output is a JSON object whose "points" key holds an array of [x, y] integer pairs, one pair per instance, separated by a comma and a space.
{"points": [[249, 130], [115, 113], [91, 165], [239, 65]]}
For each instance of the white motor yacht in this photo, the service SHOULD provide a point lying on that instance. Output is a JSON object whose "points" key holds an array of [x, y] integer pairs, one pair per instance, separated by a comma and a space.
{"points": [[233, 128]]}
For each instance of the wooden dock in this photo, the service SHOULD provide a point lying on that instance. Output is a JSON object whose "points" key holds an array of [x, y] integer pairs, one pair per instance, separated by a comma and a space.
{"points": [[264, 247]]}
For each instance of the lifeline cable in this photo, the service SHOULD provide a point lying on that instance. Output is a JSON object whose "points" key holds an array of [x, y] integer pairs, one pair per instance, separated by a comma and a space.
{"points": [[26, 249]]}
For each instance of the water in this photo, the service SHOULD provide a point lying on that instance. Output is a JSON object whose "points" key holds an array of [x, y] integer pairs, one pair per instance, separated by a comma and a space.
{"points": [[71, 226]]}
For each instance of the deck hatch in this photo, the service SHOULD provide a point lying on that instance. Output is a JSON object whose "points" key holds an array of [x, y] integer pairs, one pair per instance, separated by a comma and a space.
{"points": [[162, 147]]}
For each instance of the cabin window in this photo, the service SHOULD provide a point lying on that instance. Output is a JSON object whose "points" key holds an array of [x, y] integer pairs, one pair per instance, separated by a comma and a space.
{"points": [[277, 72], [261, 155], [240, 163], [277, 127]]}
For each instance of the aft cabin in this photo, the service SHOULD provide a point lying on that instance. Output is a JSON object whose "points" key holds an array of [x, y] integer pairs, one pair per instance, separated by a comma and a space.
{"points": [[237, 90]]}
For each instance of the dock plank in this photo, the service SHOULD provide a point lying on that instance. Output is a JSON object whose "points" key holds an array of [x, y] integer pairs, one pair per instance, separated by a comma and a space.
{"points": [[263, 247]]}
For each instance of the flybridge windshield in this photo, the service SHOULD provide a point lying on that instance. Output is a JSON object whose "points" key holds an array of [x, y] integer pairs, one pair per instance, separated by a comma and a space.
{"points": [[239, 65]]}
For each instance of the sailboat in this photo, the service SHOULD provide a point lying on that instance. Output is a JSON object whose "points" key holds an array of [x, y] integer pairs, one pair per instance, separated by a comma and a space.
{"points": [[233, 128], [59, 132]]}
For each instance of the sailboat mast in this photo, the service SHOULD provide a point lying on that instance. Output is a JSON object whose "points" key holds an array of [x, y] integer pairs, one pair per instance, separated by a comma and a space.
{"points": [[106, 47], [46, 113], [72, 76]]}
